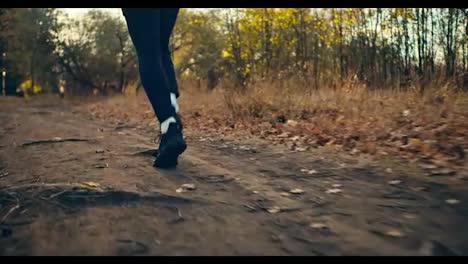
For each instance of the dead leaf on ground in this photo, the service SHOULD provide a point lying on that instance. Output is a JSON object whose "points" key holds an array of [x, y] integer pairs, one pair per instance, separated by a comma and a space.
{"points": [[334, 191], [427, 166], [443, 172], [354, 151], [295, 138], [189, 186], [452, 201], [274, 210], [292, 123], [418, 189], [318, 226], [101, 166], [186, 187], [409, 216], [337, 185], [415, 142], [394, 182], [394, 233], [296, 191], [309, 172], [91, 184]]}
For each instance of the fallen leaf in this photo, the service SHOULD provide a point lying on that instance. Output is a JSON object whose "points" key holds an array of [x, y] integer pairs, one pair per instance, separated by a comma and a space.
{"points": [[409, 216], [452, 201], [256, 192], [395, 233], [274, 210], [318, 226], [443, 171], [310, 172], [354, 151], [333, 191], [91, 184], [394, 182], [292, 123], [415, 142], [295, 138], [336, 185], [189, 186], [406, 113], [296, 191], [428, 166]]}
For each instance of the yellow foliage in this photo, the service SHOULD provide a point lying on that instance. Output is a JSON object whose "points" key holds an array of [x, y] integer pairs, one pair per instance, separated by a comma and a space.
{"points": [[227, 54], [26, 86]]}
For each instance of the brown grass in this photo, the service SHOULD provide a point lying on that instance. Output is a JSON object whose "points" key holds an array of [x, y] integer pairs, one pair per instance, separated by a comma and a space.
{"points": [[353, 118]]}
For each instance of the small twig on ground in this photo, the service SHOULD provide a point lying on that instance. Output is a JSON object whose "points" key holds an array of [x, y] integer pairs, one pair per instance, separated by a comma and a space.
{"points": [[56, 194], [10, 212], [146, 152], [54, 140], [220, 180]]}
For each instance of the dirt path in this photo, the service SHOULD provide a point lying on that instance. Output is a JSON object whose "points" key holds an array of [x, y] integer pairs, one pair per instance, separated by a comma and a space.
{"points": [[102, 196]]}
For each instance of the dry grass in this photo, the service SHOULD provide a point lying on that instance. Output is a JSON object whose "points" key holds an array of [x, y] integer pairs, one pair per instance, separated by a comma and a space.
{"points": [[353, 118]]}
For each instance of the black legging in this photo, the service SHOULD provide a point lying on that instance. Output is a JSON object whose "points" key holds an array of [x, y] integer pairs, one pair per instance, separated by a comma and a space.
{"points": [[150, 30]]}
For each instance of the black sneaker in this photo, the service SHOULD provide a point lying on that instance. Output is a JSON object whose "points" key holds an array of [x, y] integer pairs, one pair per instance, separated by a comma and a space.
{"points": [[171, 145]]}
